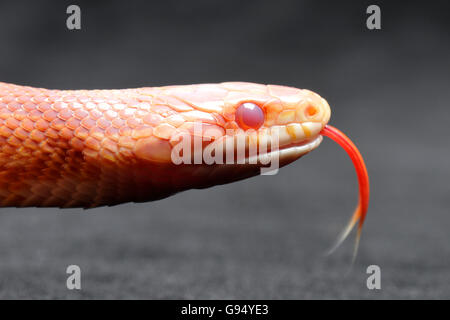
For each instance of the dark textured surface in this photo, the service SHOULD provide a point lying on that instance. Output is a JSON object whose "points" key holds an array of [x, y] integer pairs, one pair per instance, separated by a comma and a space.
{"points": [[263, 237]]}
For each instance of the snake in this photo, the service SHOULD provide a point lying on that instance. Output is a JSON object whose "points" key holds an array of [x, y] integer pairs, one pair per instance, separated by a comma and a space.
{"points": [[90, 148]]}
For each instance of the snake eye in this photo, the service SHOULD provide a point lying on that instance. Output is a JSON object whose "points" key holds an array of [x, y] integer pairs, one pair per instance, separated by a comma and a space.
{"points": [[249, 116]]}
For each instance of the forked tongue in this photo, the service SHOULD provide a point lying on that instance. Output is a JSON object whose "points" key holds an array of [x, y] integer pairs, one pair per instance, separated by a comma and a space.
{"points": [[363, 179]]}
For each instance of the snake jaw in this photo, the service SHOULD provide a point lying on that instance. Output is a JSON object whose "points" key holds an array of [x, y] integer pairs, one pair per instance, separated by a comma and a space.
{"points": [[294, 151]]}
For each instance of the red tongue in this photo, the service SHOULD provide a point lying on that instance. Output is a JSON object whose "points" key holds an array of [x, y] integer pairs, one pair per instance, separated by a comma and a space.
{"points": [[363, 180]]}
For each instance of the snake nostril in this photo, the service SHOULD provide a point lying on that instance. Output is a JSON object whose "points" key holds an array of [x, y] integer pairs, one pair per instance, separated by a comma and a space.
{"points": [[310, 111]]}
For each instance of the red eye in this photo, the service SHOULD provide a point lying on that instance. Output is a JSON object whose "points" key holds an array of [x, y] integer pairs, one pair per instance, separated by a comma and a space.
{"points": [[249, 116]]}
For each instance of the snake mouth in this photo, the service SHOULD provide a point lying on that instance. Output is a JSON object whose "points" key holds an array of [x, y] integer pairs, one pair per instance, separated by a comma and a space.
{"points": [[286, 153], [299, 149]]}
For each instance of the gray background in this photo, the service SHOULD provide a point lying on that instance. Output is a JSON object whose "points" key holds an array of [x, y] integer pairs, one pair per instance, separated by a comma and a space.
{"points": [[263, 237]]}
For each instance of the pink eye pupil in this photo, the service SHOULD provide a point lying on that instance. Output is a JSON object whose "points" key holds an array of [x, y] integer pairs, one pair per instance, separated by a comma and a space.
{"points": [[249, 116]]}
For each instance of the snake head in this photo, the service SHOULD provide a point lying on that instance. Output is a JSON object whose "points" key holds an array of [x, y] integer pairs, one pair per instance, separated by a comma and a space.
{"points": [[282, 106], [295, 117], [236, 129], [234, 118]]}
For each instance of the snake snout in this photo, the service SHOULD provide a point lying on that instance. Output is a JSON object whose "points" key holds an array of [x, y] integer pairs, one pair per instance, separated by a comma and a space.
{"points": [[313, 108]]}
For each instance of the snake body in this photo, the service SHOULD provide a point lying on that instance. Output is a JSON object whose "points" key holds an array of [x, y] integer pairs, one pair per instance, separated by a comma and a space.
{"points": [[88, 148]]}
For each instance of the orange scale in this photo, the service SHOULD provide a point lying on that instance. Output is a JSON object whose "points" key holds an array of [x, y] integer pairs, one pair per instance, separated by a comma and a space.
{"points": [[5, 131], [142, 132], [103, 106], [220, 120], [118, 123], [175, 120], [153, 149], [158, 101], [90, 153], [37, 99], [127, 142], [20, 114], [113, 101], [231, 125], [14, 105], [58, 106], [125, 131], [80, 114], [153, 119], [20, 133], [125, 153], [164, 131], [75, 106], [66, 133], [51, 133], [35, 115], [146, 98], [144, 106], [273, 106], [14, 141], [77, 144], [88, 123], [112, 133], [109, 145], [44, 106], [7, 99], [126, 113], [5, 113], [96, 133], [98, 100], [72, 123], [83, 99], [103, 123], [130, 101], [198, 116], [8, 149], [119, 106], [49, 115], [162, 110], [65, 114], [92, 143], [41, 125], [57, 124], [62, 144], [69, 99], [27, 124], [140, 113], [107, 155], [228, 112], [95, 114], [29, 106], [30, 144], [177, 104], [90, 105], [23, 99], [134, 122], [12, 123], [111, 114], [81, 133]]}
